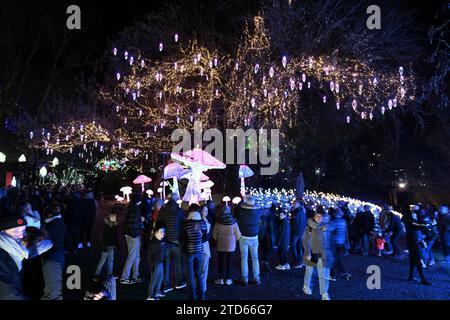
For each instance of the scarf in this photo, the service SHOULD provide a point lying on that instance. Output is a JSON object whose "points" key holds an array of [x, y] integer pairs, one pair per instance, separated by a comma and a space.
{"points": [[226, 218], [53, 218], [16, 250]]}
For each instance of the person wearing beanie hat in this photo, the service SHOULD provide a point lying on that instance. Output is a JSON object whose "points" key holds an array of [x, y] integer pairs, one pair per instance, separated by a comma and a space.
{"points": [[13, 251]]}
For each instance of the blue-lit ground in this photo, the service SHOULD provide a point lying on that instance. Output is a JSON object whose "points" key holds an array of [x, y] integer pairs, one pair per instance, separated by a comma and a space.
{"points": [[286, 285]]}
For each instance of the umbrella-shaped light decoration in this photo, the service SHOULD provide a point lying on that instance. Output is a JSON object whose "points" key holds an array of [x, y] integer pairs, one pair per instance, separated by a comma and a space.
{"points": [[160, 192], [198, 160], [206, 185], [244, 172], [187, 174], [43, 172], [236, 200], [226, 199], [142, 180], [55, 161], [2, 157], [126, 192], [173, 170], [22, 158], [149, 193], [163, 185]]}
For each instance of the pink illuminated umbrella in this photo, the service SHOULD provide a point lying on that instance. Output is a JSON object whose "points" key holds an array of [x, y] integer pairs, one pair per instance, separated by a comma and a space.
{"points": [[142, 180], [198, 160], [244, 172]]}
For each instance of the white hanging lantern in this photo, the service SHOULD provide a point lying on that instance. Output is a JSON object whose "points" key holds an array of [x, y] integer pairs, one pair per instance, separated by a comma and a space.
{"points": [[354, 104], [332, 86], [256, 69], [271, 72], [118, 76], [176, 37], [2, 157], [337, 105], [115, 51], [125, 55], [22, 158], [284, 61], [304, 78], [161, 46], [43, 172], [402, 92], [55, 161], [390, 103]]}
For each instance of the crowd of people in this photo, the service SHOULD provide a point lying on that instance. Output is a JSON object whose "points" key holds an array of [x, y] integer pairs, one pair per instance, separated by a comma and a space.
{"points": [[40, 226]]}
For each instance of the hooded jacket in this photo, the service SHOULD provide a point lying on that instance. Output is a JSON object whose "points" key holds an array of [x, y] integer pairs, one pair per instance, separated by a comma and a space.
{"points": [[56, 229], [194, 233], [317, 241]]}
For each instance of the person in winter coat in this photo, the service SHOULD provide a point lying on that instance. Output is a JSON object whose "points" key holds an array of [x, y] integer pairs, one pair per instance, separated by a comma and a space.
{"points": [[33, 217], [445, 231], [339, 243], [318, 254], [298, 224], [53, 259], [226, 233], [265, 242], [414, 239], [284, 237], [171, 217], [133, 226], [206, 255], [248, 220], [367, 225], [73, 220], [431, 235], [108, 244], [394, 230], [13, 250], [89, 208], [156, 254], [194, 232]]}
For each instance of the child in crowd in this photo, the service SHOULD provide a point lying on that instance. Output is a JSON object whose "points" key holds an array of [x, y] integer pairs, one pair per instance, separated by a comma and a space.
{"points": [[157, 251], [379, 242], [284, 236], [109, 243]]}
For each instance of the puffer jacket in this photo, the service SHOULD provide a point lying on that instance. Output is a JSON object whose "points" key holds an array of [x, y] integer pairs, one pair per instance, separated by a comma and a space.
{"points": [[194, 232], [248, 220], [339, 234], [133, 225], [171, 216], [317, 240]]}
